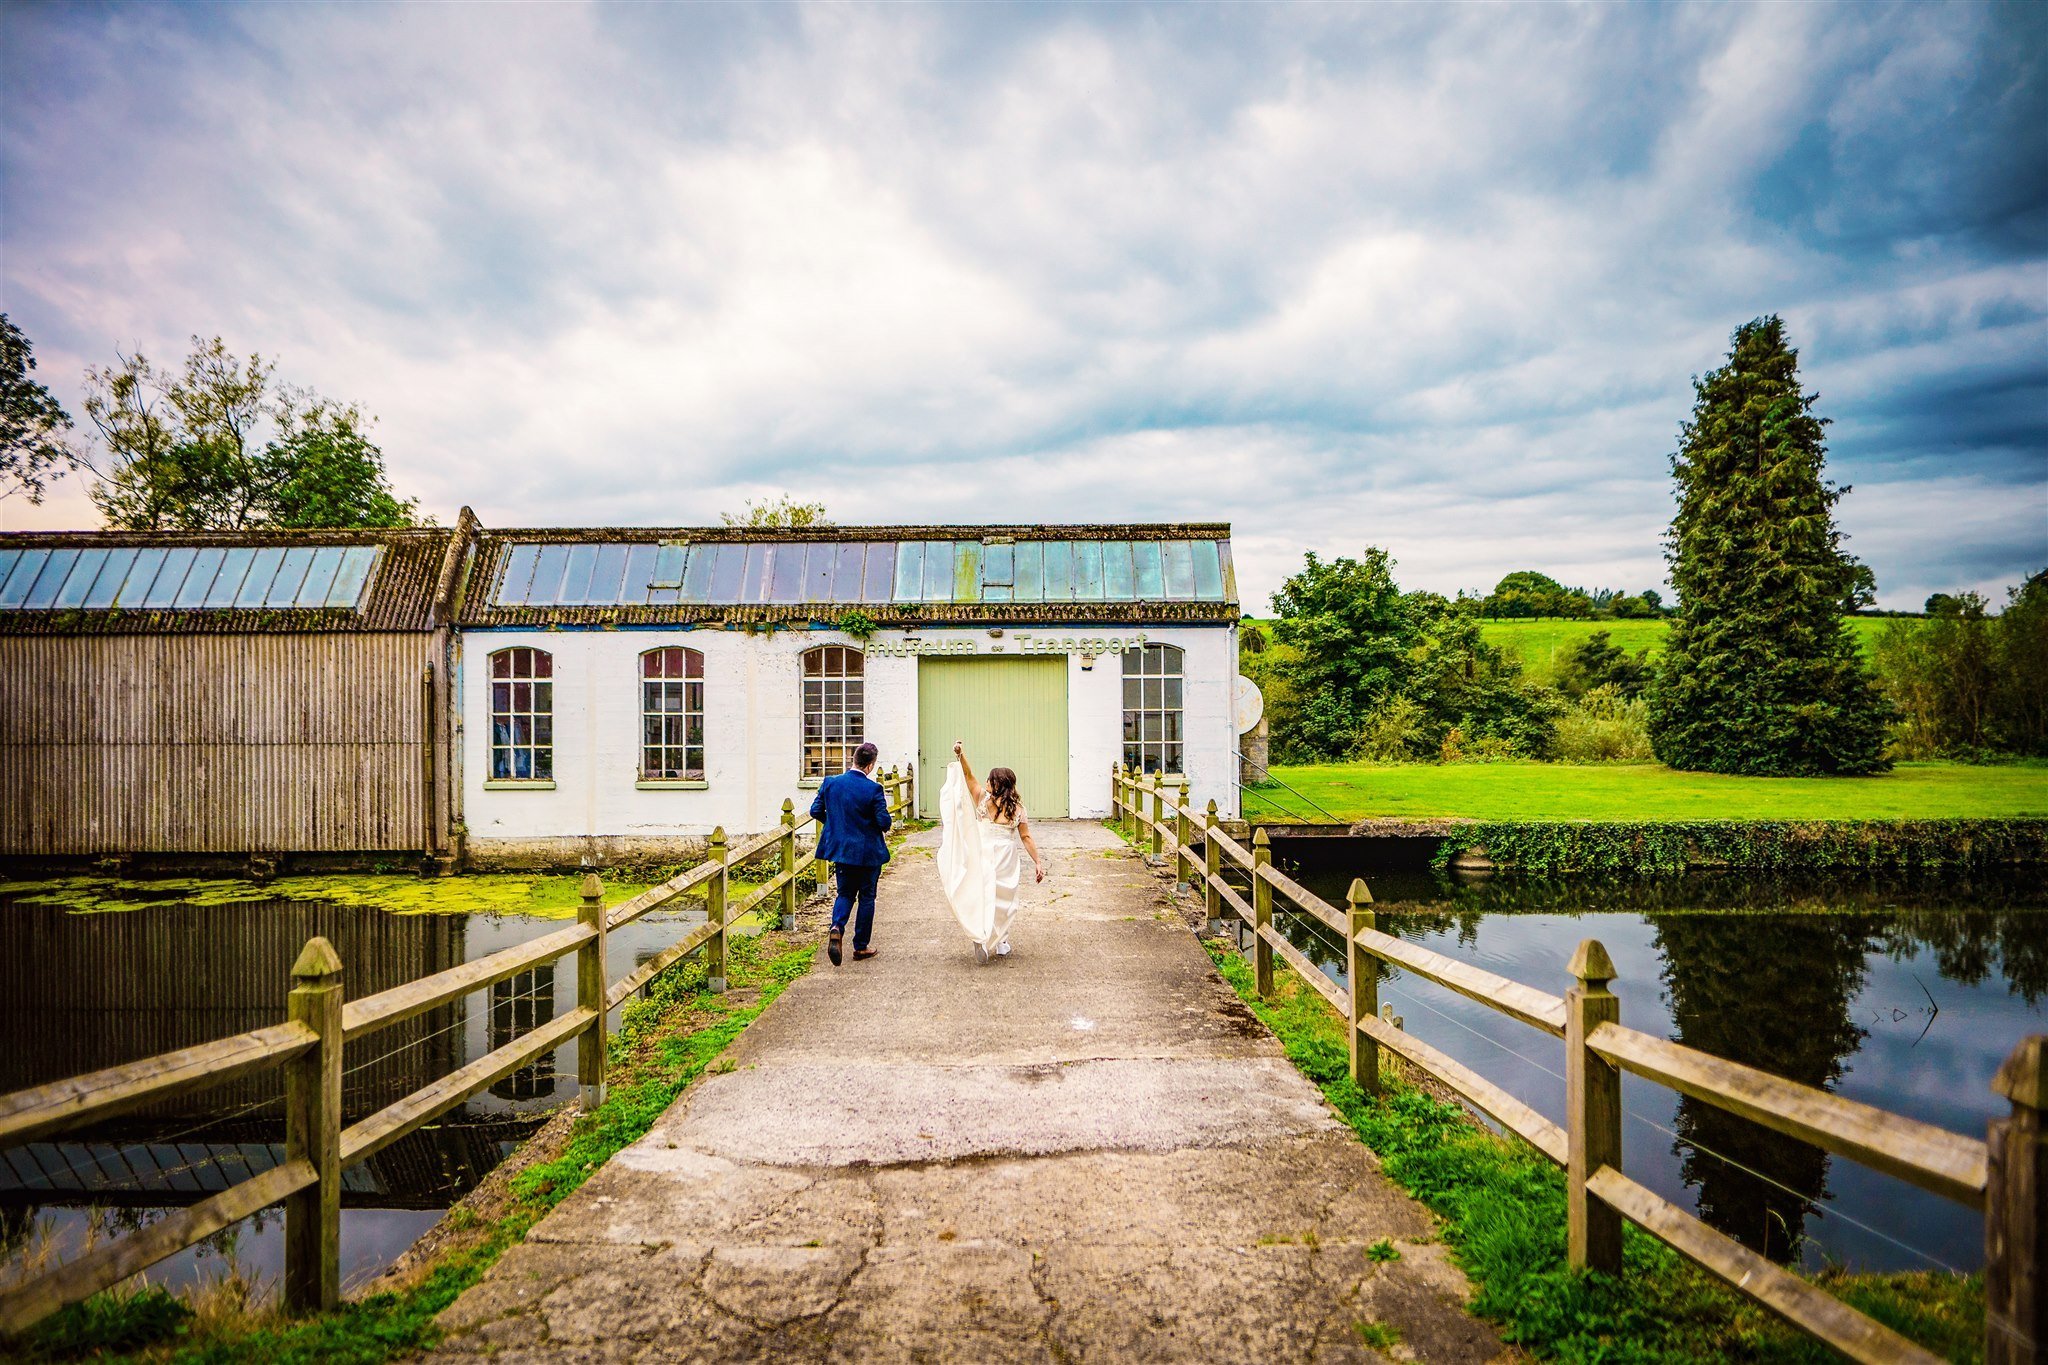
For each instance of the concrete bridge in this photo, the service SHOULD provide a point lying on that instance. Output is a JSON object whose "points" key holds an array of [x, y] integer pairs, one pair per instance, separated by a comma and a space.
{"points": [[1087, 1151]]}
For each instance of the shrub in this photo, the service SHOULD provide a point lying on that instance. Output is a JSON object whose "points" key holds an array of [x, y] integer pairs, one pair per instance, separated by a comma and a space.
{"points": [[1393, 733], [1604, 727]]}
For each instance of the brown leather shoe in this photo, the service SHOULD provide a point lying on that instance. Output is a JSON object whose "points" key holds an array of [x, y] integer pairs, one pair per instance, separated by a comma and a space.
{"points": [[832, 947], [863, 954]]}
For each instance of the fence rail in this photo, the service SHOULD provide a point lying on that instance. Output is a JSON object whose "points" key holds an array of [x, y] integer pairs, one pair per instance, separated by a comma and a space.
{"points": [[307, 1046], [2005, 1177]]}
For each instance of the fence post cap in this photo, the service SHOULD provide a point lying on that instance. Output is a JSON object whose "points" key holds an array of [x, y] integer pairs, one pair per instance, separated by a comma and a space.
{"points": [[593, 886], [316, 960], [1591, 964], [1259, 839], [2024, 1077], [1212, 810], [718, 836], [788, 810], [1360, 893]]}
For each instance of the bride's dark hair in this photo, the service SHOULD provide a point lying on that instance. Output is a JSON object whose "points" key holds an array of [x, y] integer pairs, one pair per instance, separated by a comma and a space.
{"points": [[1002, 792]]}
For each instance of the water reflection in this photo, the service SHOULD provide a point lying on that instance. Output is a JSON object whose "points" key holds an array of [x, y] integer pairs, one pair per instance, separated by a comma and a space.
{"points": [[84, 991], [1902, 994]]}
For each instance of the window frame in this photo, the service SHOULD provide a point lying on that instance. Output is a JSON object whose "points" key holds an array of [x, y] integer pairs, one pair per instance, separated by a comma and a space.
{"points": [[539, 714], [1163, 666], [660, 777], [815, 690]]}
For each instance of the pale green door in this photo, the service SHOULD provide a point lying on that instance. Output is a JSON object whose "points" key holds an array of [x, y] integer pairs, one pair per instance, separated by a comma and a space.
{"points": [[1011, 713]]}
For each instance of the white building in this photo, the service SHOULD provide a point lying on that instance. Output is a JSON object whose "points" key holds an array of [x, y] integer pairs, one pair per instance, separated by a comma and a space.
{"points": [[621, 688]]}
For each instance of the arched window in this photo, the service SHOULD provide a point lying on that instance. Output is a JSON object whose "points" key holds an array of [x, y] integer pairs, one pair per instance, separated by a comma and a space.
{"points": [[1152, 708], [672, 714], [523, 715], [835, 709]]}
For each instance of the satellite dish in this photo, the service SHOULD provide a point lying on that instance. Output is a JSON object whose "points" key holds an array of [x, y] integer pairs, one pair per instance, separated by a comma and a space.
{"points": [[1247, 703]]}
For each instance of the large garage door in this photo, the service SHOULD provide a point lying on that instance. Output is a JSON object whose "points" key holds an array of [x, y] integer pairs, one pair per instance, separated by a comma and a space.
{"points": [[1012, 713]]}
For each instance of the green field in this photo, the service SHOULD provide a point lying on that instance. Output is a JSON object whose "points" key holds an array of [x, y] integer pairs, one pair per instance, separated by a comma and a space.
{"points": [[1643, 791], [1539, 642]]}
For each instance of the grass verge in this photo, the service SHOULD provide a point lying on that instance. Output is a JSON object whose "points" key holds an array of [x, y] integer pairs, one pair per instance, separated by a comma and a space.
{"points": [[665, 1041], [1503, 1211], [1640, 792]]}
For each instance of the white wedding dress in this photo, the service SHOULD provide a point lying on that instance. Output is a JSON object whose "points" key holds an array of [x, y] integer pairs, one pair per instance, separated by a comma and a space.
{"points": [[981, 863]]}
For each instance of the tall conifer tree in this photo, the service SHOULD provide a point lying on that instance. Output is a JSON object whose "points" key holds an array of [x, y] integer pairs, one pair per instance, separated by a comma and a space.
{"points": [[1760, 675]]}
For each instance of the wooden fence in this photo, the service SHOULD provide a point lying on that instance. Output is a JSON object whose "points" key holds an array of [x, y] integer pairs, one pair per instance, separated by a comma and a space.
{"points": [[307, 1045], [2005, 1177]]}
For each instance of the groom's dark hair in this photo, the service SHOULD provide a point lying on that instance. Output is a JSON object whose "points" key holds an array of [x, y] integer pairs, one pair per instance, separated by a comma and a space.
{"points": [[865, 756]]}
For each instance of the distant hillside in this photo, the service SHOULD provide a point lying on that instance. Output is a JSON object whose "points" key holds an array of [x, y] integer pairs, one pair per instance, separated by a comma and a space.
{"points": [[1538, 642]]}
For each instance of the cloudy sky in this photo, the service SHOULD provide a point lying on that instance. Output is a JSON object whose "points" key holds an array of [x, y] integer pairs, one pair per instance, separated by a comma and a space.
{"points": [[1434, 278]]}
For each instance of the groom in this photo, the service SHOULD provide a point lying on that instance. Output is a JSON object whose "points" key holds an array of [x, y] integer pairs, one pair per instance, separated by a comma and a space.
{"points": [[853, 810]]}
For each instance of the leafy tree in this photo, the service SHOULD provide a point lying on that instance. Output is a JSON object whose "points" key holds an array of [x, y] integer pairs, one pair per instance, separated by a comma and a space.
{"points": [[1861, 588], [780, 510], [1760, 675], [1465, 684], [1969, 684], [1654, 600], [324, 470], [1526, 594], [185, 450], [2020, 686], [1939, 602], [32, 446], [1598, 662], [1368, 669], [1349, 631]]}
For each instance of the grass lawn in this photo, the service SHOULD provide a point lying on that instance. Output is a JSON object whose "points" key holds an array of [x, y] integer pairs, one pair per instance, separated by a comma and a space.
{"points": [[1645, 791]]}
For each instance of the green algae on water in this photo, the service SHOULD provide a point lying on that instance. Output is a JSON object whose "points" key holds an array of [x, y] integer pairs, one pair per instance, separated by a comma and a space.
{"points": [[554, 896]]}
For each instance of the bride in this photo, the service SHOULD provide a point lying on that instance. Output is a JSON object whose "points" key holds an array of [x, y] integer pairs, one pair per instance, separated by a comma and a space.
{"points": [[984, 834]]}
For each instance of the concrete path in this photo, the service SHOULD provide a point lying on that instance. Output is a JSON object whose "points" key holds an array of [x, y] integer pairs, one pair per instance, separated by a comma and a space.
{"points": [[1089, 1151]]}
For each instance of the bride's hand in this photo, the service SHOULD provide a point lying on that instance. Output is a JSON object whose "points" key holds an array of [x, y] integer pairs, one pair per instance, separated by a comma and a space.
{"points": [[1041, 871], [958, 752]]}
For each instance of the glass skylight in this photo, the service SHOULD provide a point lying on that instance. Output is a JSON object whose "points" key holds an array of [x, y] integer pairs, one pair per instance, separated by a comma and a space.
{"points": [[729, 573], [184, 578]]}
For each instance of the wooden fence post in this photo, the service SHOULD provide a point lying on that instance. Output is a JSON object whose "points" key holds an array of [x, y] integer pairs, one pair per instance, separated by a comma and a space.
{"points": [[910, 789], [2016, 1212], [1262, 915], [591, 982], [1116, 794], [1212, 854], [312, 1132], [1593, 1107], [788, 864], [1158, 818], [714, 908], [1363, 969], [1183, 845]]}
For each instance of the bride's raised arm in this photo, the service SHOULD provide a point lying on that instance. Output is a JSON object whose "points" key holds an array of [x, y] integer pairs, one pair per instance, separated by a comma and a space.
{"points": [[967, 771]]}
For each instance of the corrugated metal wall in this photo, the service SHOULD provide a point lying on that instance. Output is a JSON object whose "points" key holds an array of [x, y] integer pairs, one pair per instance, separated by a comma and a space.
{"points": [[210, 743]]}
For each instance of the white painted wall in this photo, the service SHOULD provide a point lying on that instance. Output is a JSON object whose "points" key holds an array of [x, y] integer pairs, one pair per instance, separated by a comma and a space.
{"points": [[752, 726]]}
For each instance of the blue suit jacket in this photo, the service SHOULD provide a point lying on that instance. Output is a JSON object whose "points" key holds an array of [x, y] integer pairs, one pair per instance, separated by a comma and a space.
{"points": [[854, 811]]}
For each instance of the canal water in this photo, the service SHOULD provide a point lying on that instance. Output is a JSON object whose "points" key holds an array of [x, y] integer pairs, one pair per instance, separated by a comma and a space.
{"points": [[81, 991], [1905, 995]]}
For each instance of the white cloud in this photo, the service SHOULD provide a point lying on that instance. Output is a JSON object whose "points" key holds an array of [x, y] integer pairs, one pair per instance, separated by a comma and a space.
{"points": [[1429, 279]]}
